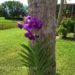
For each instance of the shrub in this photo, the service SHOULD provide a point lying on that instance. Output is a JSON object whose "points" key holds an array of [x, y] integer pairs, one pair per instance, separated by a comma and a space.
{"points": [[66, 26]]}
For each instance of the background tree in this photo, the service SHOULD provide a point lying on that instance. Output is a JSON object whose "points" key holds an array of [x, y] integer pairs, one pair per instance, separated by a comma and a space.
{"points": [[60, 13], [1, 10], [13, 9]]}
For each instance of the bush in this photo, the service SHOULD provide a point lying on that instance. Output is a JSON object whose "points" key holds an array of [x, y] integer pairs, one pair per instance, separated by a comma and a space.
{"points": [[66, 26]]}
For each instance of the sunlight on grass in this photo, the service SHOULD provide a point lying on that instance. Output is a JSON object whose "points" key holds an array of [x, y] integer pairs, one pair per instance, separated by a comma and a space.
{"points": [[10, 41], [65, 56], [10, 63], [7, 24]]}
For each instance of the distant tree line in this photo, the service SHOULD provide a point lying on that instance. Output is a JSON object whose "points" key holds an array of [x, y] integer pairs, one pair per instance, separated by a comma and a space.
{"points": [[13, 10]]}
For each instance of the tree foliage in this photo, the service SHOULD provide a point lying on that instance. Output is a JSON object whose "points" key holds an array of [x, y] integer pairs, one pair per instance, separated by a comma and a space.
{"points": [[13, 9], [66, 26], [1, 10]]}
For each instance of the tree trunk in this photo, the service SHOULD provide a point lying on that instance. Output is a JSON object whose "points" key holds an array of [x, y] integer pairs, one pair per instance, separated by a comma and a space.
{"points": [[45, 10], [72, 16], [74, 30], [60, 12]]}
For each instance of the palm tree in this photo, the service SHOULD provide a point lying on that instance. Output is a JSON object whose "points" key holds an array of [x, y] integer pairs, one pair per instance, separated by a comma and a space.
{"points": [[45, 10], [61, 11], [40, 58]]}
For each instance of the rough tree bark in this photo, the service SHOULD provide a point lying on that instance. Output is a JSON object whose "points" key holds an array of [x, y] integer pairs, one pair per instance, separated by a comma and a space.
{"points": [[45, 10]]}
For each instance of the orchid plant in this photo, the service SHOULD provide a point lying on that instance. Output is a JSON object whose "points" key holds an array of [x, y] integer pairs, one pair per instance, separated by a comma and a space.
{"points": [[36, 58], [30, 24]]}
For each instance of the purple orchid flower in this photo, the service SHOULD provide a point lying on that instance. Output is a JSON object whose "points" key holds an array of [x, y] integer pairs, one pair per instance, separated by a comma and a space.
{"points": [[19, 25], [31, 23], [34, 23], [27, 27], [38, 25], [27, 19], [30, 36]]}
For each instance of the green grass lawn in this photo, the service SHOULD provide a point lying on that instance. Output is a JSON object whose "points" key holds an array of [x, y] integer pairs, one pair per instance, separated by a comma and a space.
{"points": [[10, 41], [10, 63], [6, 24], [65, 57]]}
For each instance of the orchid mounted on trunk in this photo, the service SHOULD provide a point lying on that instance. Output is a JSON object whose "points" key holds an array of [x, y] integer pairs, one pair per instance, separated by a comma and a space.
{"points": [[35, 58], [30, 24]]}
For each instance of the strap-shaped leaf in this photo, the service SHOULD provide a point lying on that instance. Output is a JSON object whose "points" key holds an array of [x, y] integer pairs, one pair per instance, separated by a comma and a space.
{"points": [[27, 59], [26, 53], [37, 58], [27, 48], [27, 64]]}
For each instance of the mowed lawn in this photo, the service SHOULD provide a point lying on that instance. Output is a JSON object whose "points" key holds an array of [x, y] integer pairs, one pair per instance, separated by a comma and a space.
{"points": [[10, 63], [7, 24], [10, 41], [65, 57]]}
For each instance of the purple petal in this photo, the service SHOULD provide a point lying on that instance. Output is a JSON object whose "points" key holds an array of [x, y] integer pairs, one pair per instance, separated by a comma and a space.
{"points": [[29, 17], [27, 27], [19, 25], [38, 25], [30, 36]]}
